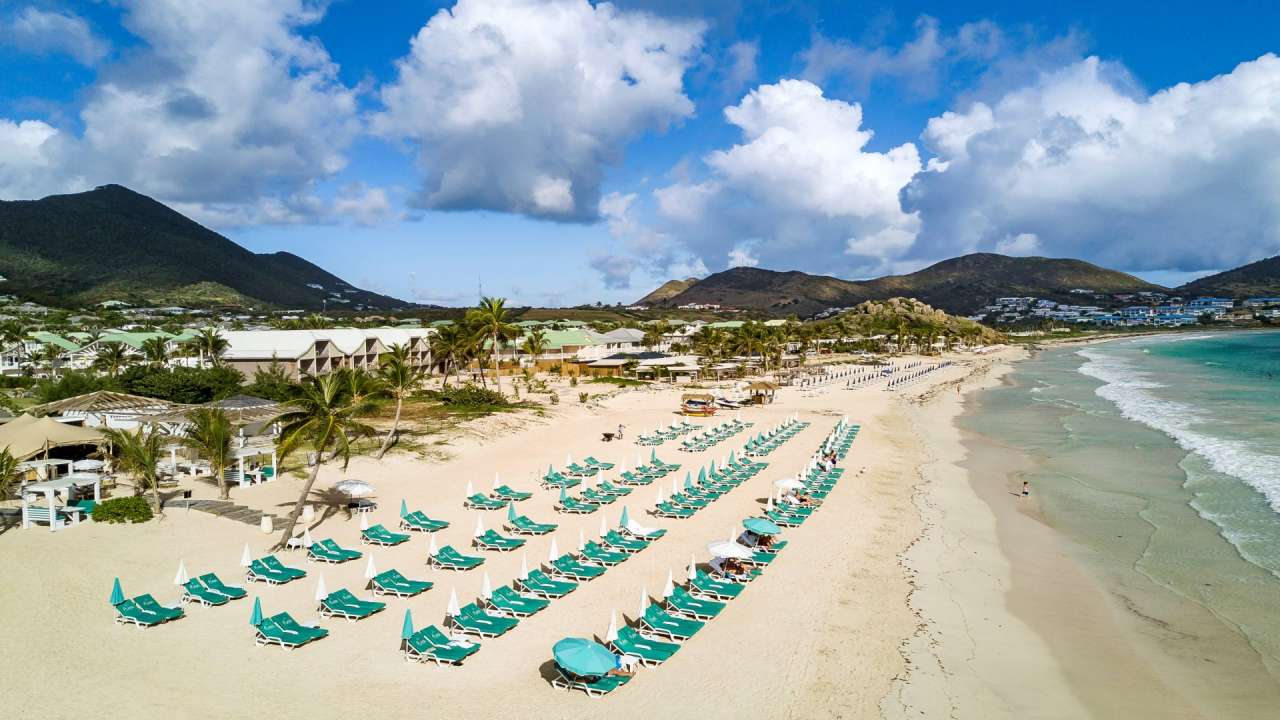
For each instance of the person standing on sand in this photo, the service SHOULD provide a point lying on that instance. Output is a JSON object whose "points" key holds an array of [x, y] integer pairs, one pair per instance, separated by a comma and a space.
{"points": [[1026, 488], [619, 431]]}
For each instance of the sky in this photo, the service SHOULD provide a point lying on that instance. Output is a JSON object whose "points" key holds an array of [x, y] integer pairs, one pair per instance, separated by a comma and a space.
{"points": [[558, 152]]}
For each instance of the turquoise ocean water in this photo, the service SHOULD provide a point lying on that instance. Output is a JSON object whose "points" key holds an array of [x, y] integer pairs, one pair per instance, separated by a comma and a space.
{"points": [[1160, 456]]}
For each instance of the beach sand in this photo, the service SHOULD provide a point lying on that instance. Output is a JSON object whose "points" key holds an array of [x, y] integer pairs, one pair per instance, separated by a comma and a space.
{"points": [[820, 635]]}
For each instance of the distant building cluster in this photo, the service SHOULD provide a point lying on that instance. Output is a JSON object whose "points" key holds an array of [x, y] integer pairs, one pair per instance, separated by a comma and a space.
{"points": [[1126, 309]]}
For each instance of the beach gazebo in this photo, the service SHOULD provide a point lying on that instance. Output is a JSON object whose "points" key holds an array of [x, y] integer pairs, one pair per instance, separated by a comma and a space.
{"points": [[762, 391], [49, 489], [242, 454]]}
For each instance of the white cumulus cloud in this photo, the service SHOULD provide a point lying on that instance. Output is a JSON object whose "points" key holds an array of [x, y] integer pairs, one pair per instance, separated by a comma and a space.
{"points": [[520, 105], [43, 32]]}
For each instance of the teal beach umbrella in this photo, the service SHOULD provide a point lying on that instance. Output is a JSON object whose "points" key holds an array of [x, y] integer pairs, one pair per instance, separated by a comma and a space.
{"points": [[625, 519], [511, 511], [760, 526], [581, 656], [653, 455], [117, 595], [702, 476], [404, 508], [688, 483], [563, 495], [255, 617], [406, 631]]}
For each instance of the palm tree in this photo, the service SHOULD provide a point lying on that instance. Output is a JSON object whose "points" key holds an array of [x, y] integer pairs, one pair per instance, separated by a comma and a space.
{"points": [[155, 350], [535, 343], [446, 349], [324, 418], [399, 379], [210, 434], [9, 472], [490, 321], [210, 344], [138, 453], [49, 354], [111, 358]]}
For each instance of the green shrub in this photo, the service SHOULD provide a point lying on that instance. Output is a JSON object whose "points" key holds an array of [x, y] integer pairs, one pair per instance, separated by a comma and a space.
{"points": [[554, 398], [582, 397], [133, 509], [470, 395], [573, 381]]}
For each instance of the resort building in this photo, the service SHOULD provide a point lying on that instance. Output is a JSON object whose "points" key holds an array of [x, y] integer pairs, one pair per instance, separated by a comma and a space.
{"points": [[319, 352]]}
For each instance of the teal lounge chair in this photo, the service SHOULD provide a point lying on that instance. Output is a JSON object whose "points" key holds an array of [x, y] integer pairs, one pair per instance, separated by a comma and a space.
{"points": [[554, 479], [707, 586], [650, 652], [566, 566], [576, 470], [418, 521], [480, 502], [541, 584], [592, 686], [194, 591], [474, 621], [630, 478], [624, 544], [595, 553], [506, 599], [667, 510], [329, 551], [214, 583], [522, 525], [591, 461], [682, 603], [343, 604], [685, 500], [449, 559], [379, 535], [664, 624], [614, 490], [593, 495], [491, 540], [504, 493], [286, 632], [270, 570], [391, 582], [431, 645], [149, 604], [144, 611], [573, 506], [784, 519]]}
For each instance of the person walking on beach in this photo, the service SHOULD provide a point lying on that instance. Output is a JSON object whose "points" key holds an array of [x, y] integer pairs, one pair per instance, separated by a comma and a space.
{"points": [[619, 431], [1026, 488]]}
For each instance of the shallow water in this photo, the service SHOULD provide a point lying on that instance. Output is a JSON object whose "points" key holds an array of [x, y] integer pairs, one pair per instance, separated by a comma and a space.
{"points": [[1160, 458]]}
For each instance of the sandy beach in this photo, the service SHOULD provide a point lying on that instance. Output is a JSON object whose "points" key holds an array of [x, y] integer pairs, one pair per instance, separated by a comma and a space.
{"points": [[820, 635]]}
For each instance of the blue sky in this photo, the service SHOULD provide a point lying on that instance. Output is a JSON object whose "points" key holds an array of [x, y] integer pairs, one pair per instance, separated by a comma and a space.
{"points": [[562, 152]]}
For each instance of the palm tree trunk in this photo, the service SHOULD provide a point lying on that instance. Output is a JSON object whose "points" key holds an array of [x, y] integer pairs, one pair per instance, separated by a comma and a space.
{"points": [[297, 506], [395, 428], [155, 495], [224, 491], [497, 366]]}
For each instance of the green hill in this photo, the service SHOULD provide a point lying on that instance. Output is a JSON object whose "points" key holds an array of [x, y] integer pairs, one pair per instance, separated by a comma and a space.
{"points": [[1259, 279], [113, 243]]}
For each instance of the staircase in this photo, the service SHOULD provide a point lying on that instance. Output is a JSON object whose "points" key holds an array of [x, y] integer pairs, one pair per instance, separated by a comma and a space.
{"points": [[226, 509]]}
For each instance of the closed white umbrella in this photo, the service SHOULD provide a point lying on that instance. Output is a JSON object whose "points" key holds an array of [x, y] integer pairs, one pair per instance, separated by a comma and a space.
{"points": [[322, 592], [659, 500], [453, 610], [370, 570], [553, 552], [670, 588], [568, 459], [496, 481], [479, 525], [693, 567], [611, 634], [675, 486], [644, 601], [246, 558], [364, 521], [768, 505], [431, 546], [486, 588], [181, 578], [471, 489], [306, 537], [524, 565], [729, 549], [582, 540], [604, 525]]}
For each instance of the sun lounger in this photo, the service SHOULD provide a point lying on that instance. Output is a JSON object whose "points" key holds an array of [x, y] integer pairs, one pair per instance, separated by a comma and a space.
{"points": [[474, 621], [504, 493], [707, 586], [554, 479], [592, 462], [592, 495], [329, 551], [343, 604], [576, 470], [391, 582], [682, 603], [592, 686], [634, 530], [593, 552], [566, 566], [541, 584], [667, 510], [286, 632], [431, 645], [507, 600], [214, 583], [195, 591], [480, 502], [449, 559], [491, 540], [522, 525], [662, 623], [624, 544], [684, 500], [650, 652], [270, 570], [573, 506], [379, 535], [630, 478], [418, 521], [144, 611]]}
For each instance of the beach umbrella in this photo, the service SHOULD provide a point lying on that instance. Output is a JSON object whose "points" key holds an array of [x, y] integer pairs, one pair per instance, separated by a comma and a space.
{"points": [[553, 552], [702, 476], [404, 508], [117, 594], [611, 634], [453, 610], [246, 558], [729, 549], [431, 546], [496, 481], [659, 500], [479, 526], [622, 467], [364, 521], [733, 533], [568, 459], [306, 537], [582, 540], [524, 565], [255, 617], [354, 488], [551, 469], [789, 484], [471, 489], [580, 656], [322, 591], [406, 630], [670, 588], [181, 578], [768, 505], [486, 588], [644, 601], [511, 511], [653, 455], [693, 567], [688, 483], [730, 457], [625, 518], [760, 526], [675, 486], [563, 495], [604, 526]]}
